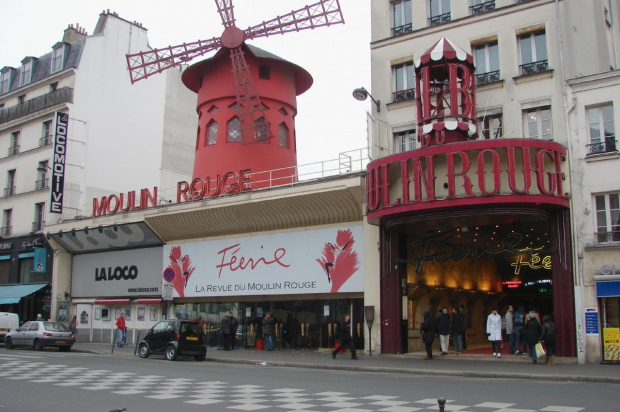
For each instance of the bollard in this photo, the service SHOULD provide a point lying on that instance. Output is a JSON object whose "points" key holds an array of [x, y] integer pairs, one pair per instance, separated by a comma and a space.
{"points": [[114, 340], [135, 350], [442, 403]]}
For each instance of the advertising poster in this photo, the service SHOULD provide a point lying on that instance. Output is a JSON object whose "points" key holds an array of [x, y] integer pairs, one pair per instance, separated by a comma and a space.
{"points": [[611, 344]]}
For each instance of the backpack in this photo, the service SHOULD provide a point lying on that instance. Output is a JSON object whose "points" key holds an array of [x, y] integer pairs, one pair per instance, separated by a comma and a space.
{"points": [[519, 319]]}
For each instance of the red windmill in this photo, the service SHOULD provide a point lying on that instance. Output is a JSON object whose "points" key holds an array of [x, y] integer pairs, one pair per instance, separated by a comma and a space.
{"points": [[254, 126]]}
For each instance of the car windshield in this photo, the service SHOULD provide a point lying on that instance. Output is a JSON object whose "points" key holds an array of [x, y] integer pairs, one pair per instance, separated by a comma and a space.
{"points": [[191, 329], [59, 327]]}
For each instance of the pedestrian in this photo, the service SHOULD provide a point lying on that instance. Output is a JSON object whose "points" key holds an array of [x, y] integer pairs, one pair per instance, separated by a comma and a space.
{"points": [[225, 330], [518, 323], [39, 317], [443, 330], [73, 324], [532, 335], [121, 327], [458, 328], [466, 323], [347, 338], [494, 332], [548, 334], [234, 326], [268, 330], [508, 321], [427, 329]]}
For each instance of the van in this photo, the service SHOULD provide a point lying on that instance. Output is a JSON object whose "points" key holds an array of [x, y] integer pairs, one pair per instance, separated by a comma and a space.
{"points": [[8, 322]]}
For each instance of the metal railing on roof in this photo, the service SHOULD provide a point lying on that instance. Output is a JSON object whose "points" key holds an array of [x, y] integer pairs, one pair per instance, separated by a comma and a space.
{"points": [[62, 95]]}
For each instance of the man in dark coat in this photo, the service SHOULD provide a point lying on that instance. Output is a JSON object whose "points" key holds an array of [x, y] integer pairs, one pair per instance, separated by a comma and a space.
{"points": [[225, 330], [269, 330], [458, 329], [234, 325], [443, 330], [346, 338], [427, 329], [533, 331]]}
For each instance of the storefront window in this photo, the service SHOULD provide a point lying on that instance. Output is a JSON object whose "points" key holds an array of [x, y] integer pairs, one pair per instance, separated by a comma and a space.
{"points": [[611, 329], [27, 275], [5, 268]]}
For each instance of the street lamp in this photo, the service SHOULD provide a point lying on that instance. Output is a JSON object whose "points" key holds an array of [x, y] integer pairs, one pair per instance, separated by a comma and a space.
{"points": [[361, 94]]}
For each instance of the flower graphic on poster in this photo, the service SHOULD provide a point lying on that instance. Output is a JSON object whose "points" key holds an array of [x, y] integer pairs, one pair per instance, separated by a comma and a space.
{"points": [[339, 260], [179, 270]]}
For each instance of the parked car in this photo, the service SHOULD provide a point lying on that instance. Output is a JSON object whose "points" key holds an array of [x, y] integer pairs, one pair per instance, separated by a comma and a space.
{"points": [[39, 334], [173, 338], [8, 323]]}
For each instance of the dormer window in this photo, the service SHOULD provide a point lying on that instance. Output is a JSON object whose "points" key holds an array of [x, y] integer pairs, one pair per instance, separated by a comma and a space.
{"points": [[26, 73], [58, 57], [5, 81]]}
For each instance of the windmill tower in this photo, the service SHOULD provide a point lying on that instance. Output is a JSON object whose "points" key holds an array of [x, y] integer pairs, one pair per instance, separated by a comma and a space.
{"points": [[247, 105]]}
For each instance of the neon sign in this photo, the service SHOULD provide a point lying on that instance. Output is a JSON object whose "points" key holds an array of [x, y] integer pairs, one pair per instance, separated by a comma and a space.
{"points": [[535, 262]]}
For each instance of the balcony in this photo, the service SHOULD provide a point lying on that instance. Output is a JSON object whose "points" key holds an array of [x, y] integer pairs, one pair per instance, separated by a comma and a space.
{"points": [[45, 140], [486, 78], [406, 28], [440, 19], [608, 237], [6, 231], [13, 150], [534, 67], [609, 145], [402, 95], [41, 184], [482, 8], [62, 95], [37, 225], [9, 191]]}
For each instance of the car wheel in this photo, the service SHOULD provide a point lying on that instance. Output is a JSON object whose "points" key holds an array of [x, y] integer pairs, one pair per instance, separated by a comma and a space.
{"points": [[200, 358], [143, 351], [37, 345], [8, 343], [64, 348], [171, 352]]}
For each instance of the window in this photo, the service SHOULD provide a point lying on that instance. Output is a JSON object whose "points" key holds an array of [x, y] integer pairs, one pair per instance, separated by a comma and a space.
{"points": [[264, 72], [1, 107], [403, 82], [5, 79], [211, 133], [487, 62], [26, 73], [9, 190], [46, 133], [492, 126], [481, 6], [261, 131], [404, 141], [283, 135], [602, 133], [233, 132], [440, 12], [53, 87], [37, 224], [6, 222], [401, 11], [14, 147], [57, 58], [533, 52], [607, 217], [537, 123], [41, 182], [21, 99]]}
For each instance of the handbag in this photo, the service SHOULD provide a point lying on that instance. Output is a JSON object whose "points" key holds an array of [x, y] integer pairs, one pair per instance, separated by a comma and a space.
{"points": [[540, 351]]}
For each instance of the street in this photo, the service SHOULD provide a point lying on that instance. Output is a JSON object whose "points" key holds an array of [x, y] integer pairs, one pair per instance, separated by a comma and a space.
{"points": [[52, 381]]}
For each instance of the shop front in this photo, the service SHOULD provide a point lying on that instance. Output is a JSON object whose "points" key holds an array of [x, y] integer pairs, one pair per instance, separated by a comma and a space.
{"points": [[608, 296]]}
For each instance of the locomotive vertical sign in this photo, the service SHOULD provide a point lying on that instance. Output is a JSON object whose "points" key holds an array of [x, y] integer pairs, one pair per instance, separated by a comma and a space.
{"points": [[61, 128]]}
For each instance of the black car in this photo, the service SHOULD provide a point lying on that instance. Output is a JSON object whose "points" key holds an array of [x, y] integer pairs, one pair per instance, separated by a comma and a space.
{"points": [[174, 338]]}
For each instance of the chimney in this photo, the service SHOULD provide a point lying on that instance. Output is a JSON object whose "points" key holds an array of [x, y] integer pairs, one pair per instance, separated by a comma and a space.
{"points": [[74, 33]]}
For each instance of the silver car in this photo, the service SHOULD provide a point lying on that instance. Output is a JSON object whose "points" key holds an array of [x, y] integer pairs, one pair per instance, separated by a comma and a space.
{"points": [[39, 334]]}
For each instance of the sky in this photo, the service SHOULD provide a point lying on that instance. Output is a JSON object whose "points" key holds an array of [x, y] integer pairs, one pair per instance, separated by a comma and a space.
{"points": [[329, 120]]}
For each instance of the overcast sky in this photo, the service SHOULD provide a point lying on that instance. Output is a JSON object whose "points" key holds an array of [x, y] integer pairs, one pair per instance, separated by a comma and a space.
{"points": [[329, 121]]}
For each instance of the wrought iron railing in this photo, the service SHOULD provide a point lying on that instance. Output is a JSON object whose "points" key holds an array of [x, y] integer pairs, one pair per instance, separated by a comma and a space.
{"points": [[62, 95], [9, 191], [13, 150], [6, 231], [402, 95], [37, 225], [45, 140], [41, 184], [482, 8], [405, 28], [608, 237], [608, 145], [489, 77], [440, 19], [535, 67]]}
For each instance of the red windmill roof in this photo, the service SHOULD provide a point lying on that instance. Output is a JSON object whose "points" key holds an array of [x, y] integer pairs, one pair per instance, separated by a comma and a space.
{"points": [[444, 49]]}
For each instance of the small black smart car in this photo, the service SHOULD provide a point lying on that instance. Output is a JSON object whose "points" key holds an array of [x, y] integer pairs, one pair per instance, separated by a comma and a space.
{"points": [[174, 338]]}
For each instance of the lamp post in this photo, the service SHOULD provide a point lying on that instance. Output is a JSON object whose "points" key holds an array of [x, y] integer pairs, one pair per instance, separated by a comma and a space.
{"points": [[361, 94]]}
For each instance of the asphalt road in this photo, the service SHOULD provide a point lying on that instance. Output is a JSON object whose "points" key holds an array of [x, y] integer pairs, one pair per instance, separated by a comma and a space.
{"points": [[52, 382]]}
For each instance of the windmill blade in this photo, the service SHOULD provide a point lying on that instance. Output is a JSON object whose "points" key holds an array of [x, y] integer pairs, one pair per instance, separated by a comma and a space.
{"points": [[225, 8], [254, 125], [144, 64], [323, 13]]}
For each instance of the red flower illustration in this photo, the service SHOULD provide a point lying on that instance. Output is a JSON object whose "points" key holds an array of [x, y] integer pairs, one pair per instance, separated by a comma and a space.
{"points": [[339, 261], [183, 269]]}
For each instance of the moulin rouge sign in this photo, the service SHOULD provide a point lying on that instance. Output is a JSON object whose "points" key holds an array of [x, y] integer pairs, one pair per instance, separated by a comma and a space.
{"points": [[468, 173], [198, 189]]}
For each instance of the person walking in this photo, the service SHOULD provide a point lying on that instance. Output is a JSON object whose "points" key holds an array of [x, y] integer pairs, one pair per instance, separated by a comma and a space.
{"points": [[73, 324], [121, 328], [225, 330], [508, 321], [532, 335], [427, 329], [234, 326], [518, 323], [443, 330], [466, 323], [458, 329], [268, 330], [494, 332], [346, 338], [548, 334]]}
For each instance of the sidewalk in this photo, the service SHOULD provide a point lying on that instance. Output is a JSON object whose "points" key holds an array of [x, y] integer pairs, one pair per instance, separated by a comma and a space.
{"points": [[478, 366]]}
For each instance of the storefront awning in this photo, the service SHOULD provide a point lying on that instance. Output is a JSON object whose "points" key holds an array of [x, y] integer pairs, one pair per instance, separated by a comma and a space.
{"points": [[111, 301], [10, 294], [608, 289], [151, 301]]}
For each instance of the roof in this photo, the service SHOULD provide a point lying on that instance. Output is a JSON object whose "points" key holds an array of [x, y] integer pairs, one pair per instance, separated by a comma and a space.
{"points": [[445, 50]]}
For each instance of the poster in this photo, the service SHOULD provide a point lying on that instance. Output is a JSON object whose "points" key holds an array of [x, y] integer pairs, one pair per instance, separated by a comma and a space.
{"points": [[62, 314], [611, 344], [153, 314], [141, 314]]}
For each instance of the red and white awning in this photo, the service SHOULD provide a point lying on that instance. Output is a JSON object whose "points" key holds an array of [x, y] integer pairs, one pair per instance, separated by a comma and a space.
{"points": [[111, 301], [446, 50], [150, 301]]}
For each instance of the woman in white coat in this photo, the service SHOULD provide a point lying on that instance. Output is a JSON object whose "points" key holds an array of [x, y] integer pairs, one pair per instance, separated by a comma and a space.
{"points": [[494, 332]]}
